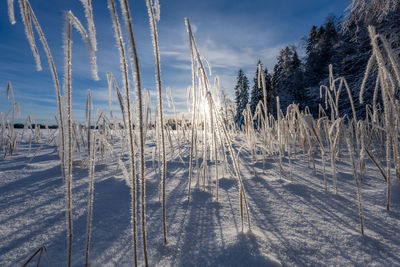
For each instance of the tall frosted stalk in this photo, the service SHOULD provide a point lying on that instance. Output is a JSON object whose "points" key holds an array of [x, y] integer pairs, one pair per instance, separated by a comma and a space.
{"points": [[88, 112], [11, 11], [134, 60], [71, 20], [91, 190], [67, 80], [261, 79], [87, 4], [126, 86], [278, 110], [154, 34], [194, 110], [350, 147]]}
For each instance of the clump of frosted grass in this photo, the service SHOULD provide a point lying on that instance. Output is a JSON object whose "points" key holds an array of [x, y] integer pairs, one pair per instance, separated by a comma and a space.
{"points": [[208, 116], [388, 79]]}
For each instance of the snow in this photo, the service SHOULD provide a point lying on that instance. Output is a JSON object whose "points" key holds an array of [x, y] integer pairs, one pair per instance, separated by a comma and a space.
{"points": [[295, 223]]}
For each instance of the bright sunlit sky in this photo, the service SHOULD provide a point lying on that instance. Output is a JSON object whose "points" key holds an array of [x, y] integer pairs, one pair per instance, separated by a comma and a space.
{"points": [[231, 34]]}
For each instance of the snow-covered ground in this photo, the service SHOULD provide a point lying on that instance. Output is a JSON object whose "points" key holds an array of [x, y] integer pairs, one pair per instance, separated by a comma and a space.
{"points": [[295, 223]]}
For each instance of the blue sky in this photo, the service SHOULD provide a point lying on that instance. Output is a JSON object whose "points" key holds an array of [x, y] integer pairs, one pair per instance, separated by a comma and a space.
{"points": [[231, 34]]}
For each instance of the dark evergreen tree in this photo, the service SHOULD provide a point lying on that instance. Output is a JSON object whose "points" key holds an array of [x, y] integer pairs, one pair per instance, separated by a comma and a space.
{"points": [[320, 49], [241, 97], [296, 81], [287, 79], [312, 40]]}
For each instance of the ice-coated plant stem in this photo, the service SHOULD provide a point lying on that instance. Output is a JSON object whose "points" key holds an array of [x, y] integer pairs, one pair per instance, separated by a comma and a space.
{"points": [[129, 123], [91, 166], [349, 137], [88, 113], [194, 109], [154, 34], [71, 20], [67, 48], [134, 59]]}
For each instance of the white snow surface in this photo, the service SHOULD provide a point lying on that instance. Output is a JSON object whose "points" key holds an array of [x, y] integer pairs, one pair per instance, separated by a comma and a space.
{"points": [[293, 224]]}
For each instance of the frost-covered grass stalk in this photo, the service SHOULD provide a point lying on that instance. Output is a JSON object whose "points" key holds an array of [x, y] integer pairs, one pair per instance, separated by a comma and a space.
{"points": [[128, 118], [88, 126], [349, 141], [91, 166], [334, 144], [194, 109], [10, 138], [154, 34], [279, 135], [178, 127], [71, 20], [67, 80], [87, 4], [134, 60], [317, 134]]}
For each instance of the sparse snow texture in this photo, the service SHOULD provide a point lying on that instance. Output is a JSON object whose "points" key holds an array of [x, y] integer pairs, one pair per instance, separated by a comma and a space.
{"points": [[293, 224]]}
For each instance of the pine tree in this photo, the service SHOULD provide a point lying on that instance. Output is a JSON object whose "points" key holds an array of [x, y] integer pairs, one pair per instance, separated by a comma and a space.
{"points": [[320, 49], [296, 81], [287, 79], [241, 97], [312, 40]]}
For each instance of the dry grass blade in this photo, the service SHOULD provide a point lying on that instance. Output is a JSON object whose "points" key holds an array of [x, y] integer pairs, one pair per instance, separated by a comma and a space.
{"points": [[38, 252], [371, 156]]}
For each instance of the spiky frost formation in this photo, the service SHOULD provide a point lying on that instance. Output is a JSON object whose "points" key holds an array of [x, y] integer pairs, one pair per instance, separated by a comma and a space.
{"points": [[109, 83], [88, 119], [26, 18], [70, 20], [87, 4], [91, 166], [85, 37], [128, 117], [154, 34], [67, 93], [194, 111], [11, 15], [157, 9], [367, 11], [134, 60], [350, 146]]}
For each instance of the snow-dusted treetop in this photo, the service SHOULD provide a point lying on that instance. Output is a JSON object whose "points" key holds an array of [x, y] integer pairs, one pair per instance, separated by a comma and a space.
{"points": [[369, 11]]}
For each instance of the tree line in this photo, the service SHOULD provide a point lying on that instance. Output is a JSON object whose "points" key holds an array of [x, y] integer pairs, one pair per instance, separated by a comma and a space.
{"points": [[342, 42]]}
